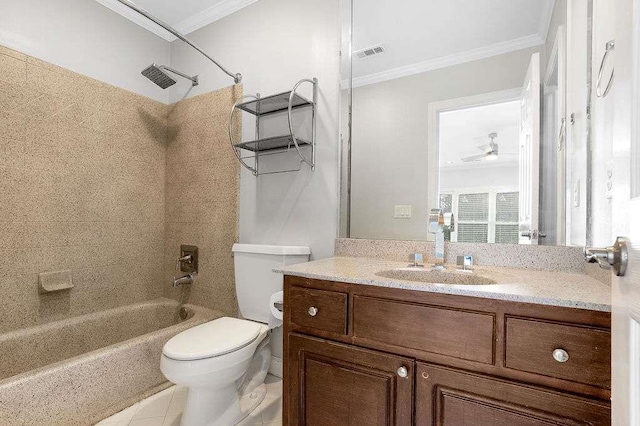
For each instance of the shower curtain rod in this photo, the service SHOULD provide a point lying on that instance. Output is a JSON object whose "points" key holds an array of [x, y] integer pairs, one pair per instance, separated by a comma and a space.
{"points": [[236, 77]]}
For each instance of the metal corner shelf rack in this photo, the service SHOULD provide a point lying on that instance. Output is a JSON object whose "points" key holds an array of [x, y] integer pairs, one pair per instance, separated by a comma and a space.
{"points": [[274, 104]]}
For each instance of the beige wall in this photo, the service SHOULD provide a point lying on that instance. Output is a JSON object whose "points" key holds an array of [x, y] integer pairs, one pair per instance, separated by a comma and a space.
{"points": [[83, 187], [202, 196], [82, 184]]}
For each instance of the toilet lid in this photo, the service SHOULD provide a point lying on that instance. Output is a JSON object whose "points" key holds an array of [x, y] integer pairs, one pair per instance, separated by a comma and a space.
{"points": [[211, 339]]}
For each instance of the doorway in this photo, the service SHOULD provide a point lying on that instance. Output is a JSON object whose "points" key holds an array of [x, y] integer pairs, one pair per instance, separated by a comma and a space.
{"points": [[479, 171]]}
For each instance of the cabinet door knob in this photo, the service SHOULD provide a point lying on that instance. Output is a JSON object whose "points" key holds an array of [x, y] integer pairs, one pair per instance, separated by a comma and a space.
{"points": [[313, 311], [560, 355], [402, 372]]}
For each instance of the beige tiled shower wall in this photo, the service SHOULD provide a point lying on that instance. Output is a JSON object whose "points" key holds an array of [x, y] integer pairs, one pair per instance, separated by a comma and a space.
{"points": [[84, 171], [81, 188], [202, 196]]}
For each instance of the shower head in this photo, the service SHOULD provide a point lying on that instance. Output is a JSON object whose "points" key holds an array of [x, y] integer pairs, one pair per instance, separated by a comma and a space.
{"points": [[157, 74], [159, 77]]}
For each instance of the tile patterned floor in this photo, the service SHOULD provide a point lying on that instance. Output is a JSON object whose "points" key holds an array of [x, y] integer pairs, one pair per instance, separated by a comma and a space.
{"points": [[165, 409]]}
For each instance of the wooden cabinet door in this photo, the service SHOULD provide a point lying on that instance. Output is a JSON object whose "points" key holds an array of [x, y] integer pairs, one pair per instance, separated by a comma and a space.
{"points": [[448, 397], [333, 384]]}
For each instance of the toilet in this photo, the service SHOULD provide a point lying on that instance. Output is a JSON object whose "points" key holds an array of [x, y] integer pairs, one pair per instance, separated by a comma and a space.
{"points": [[224, 362]]}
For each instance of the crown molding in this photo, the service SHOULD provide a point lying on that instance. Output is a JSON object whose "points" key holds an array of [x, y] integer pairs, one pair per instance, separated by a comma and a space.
{"points": [[136, 18], [545, 19], [450, 60], [195, 22], [212, 14]]}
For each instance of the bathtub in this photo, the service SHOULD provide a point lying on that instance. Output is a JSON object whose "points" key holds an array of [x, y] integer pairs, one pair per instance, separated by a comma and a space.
{"points": [[80, 370]]}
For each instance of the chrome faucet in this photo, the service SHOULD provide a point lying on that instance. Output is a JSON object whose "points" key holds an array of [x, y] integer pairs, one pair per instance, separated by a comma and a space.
{"points": [[187, 279], [466, 262], [417, 259], [187, 262]]}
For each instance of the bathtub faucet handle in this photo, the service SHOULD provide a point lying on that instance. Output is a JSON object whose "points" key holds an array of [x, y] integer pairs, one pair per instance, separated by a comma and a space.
{"points": [[188, 259]]}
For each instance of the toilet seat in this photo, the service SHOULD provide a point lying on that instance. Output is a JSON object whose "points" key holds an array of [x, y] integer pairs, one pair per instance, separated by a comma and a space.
{"points": [[213, 339]]}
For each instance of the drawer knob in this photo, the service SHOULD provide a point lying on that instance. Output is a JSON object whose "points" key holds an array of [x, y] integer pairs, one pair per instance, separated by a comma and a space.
{"points": [[560, 355], [313, 311], [402, 372]]}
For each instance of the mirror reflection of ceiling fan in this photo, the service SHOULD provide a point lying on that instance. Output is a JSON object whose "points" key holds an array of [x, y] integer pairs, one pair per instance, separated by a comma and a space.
{"points": [[489, 151]]}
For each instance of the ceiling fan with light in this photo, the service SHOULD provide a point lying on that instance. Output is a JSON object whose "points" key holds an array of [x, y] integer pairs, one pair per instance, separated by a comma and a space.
{"points": [[489, 151]]}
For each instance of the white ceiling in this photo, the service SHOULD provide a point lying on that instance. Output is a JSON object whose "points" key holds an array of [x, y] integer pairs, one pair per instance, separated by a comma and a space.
{"points": [[183, 15], [461, 132], [420, 35]]}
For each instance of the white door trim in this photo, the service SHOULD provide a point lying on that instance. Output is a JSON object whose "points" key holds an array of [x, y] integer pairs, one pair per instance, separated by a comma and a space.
{"points": [[434, 109], [558, 59]]}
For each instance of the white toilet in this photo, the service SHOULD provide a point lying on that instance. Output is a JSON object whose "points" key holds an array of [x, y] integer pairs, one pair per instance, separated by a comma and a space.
{"points": [[224, 362]]}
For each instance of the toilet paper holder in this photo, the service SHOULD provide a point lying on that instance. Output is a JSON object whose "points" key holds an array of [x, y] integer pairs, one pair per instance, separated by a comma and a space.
{"points": [[276, 306]]}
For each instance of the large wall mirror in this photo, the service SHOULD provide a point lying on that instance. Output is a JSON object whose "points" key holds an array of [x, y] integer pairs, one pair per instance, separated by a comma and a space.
{"points": [[476, 107]]}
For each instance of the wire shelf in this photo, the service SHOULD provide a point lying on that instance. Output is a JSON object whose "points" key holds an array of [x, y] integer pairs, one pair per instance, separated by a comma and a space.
{"points": [[271, 144], [261, 146], [274, 104]]}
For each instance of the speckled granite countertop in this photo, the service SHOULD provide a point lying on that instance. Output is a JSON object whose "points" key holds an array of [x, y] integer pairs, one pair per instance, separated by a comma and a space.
{"points": [[554, 288]]}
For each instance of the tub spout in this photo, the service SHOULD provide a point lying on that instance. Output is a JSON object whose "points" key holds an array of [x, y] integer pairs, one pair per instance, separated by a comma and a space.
{"points": [[187, 279]]}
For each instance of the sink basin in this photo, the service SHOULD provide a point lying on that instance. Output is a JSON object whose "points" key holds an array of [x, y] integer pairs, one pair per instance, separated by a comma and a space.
{"points": [[436, 277]]}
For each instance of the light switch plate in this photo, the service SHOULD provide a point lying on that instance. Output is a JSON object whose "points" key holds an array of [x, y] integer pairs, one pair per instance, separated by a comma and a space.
{"points": [[402, 211]]}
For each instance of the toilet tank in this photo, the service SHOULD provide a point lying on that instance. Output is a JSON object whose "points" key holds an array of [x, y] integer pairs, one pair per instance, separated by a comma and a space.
{"points": [[255, 279]]}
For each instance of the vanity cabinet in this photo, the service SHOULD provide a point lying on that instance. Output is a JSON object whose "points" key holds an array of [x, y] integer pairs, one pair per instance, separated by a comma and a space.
{"points": [[463, 334], [450, 397], [367, 355], [529, 343], [340, 384]]}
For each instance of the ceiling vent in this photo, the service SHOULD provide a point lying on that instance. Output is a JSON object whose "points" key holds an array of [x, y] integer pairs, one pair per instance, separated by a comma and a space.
{"points": [[369, 51]]}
